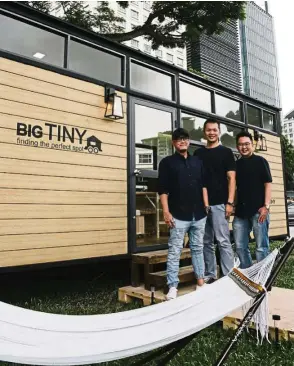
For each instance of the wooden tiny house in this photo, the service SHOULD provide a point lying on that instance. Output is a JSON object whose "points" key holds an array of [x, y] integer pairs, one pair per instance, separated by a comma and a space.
{"points": [[77, 185]]}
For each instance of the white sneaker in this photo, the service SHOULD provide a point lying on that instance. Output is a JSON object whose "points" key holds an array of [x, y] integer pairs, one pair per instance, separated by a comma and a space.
{"points": [[172, 293]]}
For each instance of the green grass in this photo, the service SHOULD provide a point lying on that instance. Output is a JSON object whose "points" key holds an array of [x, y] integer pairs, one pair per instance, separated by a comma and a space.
{"points": [[92, 289]]}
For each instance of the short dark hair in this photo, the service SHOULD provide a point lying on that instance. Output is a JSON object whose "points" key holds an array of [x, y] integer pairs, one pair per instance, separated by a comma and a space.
{"points": [[211, 120], [243, 134], [180, 133]]}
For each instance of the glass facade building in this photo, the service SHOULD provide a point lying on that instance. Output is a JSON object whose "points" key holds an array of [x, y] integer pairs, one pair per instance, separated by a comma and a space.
{"points": [[218, 56], [258, 54]]}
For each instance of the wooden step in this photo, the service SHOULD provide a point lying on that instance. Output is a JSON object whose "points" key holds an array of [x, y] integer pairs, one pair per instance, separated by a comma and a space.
{"points": [[186, 274], [157, 256]]}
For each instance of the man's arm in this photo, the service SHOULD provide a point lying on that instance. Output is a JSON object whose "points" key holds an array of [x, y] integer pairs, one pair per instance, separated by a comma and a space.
{"points": [[267, 179], [163, 191], [231, 176]]}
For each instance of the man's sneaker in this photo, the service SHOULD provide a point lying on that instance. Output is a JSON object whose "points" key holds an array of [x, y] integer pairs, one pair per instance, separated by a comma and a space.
{"points": [[210, 280], [172, 293]]}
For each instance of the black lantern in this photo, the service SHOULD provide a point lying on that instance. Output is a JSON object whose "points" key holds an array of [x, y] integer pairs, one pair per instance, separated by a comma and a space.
{"points": [[261, 144], [114, 108]]}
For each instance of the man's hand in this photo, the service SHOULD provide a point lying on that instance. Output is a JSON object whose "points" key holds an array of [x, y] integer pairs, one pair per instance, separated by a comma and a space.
{"points": [[229, 210], [263, 212], [168, 219]]}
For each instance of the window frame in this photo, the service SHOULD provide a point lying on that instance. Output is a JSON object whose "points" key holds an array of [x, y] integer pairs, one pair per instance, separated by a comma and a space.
{"points": [[160, 71]]}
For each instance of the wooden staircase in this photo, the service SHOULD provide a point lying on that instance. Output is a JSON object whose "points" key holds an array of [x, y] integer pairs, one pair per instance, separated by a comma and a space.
{"points": [[149, 269]]}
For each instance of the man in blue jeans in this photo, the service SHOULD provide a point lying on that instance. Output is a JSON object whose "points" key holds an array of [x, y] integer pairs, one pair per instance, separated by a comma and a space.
{"points": [[253, 201], [220, 166], [183, 197]]}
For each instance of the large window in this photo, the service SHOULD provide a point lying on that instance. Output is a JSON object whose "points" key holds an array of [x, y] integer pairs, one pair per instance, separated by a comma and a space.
{"points": [[194, 125], [254, 116], [228, 108], [95, 63], [228, 135], [269, 121], [30, 41], [195, 97], [150, 81]]}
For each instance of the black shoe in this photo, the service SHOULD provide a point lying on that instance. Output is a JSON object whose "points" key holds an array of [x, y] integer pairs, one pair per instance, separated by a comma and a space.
{"points": [[210, 281]]}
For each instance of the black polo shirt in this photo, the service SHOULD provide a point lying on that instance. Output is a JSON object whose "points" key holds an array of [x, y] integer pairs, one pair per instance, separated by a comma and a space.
{"points": [[182, 180]]}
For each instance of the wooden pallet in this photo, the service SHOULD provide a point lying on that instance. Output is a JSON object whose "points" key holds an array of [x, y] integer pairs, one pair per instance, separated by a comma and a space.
{"points": [[186, 274], [129, 294]]}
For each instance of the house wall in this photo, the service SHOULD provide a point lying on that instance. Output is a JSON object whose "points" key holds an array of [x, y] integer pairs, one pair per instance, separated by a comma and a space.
{"points": [[58, 204], [278, 221]]}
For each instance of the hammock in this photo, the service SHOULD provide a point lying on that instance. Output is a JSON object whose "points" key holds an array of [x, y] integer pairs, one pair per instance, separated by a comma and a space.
{"points": [[32, 337]]}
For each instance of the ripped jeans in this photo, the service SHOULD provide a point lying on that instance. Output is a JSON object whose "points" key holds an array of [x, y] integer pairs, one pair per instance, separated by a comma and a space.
{"points": [[195, 230]]}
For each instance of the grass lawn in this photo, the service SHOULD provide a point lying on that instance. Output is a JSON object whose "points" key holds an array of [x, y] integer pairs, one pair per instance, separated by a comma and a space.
{"points": [[92, 289]]}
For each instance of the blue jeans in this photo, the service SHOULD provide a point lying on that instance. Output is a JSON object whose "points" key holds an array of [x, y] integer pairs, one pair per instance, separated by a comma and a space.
{"points": [[242, 229], [195, 230], [217, 227]]}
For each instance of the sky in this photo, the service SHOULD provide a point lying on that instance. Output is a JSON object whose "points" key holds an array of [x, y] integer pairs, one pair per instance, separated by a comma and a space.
{"points": [[282, 12]]}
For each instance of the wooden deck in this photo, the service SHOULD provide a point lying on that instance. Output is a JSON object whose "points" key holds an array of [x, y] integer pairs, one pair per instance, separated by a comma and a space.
{"points": [[280, 303]]}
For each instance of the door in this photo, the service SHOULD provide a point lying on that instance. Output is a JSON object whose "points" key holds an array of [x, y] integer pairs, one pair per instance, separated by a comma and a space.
{"points": [[150, 136]]}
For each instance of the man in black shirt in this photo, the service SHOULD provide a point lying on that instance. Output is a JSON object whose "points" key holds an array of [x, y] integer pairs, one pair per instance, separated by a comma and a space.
{"points": [[183, 197], [219, 164], [253, 201]]}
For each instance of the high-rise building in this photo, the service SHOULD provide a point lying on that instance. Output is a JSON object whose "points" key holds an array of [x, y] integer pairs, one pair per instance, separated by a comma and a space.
{"points": [[258, 54], [288, 126], [218, 56], [136, 14]]}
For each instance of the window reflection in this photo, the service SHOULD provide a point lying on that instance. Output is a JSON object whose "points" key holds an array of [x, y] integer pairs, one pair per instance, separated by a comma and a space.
{"points": [[151, 82], [194, 125], [30, 41], [254, 116], [228, 108], [153, 138], [95, 63], [195, 97], [269, 121]]}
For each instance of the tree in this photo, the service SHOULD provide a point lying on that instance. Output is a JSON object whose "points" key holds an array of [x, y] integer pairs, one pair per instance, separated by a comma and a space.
{"points": [[288, 154], [169, 24]]}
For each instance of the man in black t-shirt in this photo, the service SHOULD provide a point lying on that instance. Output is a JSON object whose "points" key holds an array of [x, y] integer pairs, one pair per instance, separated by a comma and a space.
{"points": [[253, 201], [219, 164]]}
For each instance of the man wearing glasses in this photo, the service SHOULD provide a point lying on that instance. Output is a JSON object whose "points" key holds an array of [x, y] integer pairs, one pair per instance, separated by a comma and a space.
{"points": [[183, 196], [253, 201], [220, 167]]}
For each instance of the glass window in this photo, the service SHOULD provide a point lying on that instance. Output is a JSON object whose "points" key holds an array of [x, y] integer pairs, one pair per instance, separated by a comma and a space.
{"points": [[30, 41], [147, 48], [228, 135], [194, 125], [135, 43], [180, 62], [195, 97], [145, 158], [169, 57], [269, 121], [134, 14], [150, 81], [121, 9], [145, 17], [228, 108], [159, 53], [95, 63], [146, 5], [254, 116]]}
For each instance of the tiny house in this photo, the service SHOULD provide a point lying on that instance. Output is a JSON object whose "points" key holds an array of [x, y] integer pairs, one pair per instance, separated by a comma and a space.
{"points": [[84, 123]]}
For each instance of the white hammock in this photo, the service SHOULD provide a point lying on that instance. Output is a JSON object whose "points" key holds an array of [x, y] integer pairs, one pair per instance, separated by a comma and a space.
{"points": [[32, 337]]}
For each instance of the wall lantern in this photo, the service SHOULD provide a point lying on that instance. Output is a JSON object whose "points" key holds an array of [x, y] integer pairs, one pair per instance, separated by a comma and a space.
{"points": [[261, 144], [114, 107]]}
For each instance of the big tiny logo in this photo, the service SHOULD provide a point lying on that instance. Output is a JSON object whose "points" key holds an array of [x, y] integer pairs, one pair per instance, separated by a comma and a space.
{"points": [[58, 137]]}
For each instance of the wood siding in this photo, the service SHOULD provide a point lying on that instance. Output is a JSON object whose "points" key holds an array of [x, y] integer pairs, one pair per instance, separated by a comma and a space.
{"points": [[58, 204], [278, 221]]}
